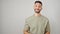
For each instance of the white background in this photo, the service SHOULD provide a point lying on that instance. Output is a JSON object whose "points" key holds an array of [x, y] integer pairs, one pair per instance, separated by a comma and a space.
{"points": [[14, 12]]}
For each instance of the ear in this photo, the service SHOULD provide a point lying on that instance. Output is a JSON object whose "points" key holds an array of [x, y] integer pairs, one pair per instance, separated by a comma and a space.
{"points": [[33, 6], [41, 7]]}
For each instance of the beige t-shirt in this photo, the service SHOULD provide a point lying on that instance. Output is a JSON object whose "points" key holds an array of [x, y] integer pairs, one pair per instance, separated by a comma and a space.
{"points": [[37, 25]]}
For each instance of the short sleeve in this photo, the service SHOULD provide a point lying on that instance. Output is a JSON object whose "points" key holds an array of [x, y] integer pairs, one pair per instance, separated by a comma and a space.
{"points": [[26, 27], [47, 27]]}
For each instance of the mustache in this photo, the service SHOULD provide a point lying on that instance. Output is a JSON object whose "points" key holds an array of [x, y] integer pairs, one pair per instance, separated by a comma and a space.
{"points": [[37, 9]]}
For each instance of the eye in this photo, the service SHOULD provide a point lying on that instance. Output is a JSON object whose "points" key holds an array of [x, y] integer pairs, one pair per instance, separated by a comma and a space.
{"points": [[35, 5]]}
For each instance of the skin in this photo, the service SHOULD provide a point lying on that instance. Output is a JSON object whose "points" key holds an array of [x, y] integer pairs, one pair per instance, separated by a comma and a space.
{"points": [[37, 8]]}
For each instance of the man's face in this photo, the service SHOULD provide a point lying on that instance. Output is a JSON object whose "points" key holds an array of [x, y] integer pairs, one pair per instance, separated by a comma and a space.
{"points": [[37, 7]]}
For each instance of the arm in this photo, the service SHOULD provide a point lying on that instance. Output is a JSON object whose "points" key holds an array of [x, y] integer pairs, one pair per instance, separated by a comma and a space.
{"points": [[47, 30], [26, 28], [25, 32]]}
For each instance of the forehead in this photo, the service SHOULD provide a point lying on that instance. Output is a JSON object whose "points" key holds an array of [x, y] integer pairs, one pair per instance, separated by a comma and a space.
{"points": [[37, 4]]}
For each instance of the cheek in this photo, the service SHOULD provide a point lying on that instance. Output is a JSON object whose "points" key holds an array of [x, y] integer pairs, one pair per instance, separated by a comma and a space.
{"points": [[40, 8], [35, 8]]}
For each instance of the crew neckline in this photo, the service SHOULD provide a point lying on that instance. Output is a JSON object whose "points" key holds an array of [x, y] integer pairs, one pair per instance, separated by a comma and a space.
{"points": [[37, 16]]}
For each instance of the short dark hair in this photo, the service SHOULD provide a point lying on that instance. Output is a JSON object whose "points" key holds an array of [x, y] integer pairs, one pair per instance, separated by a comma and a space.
{"points": [[38, 2]]}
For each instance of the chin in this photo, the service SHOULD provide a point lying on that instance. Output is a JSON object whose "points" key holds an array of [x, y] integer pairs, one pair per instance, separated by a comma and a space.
{"points": [[37, 11]]}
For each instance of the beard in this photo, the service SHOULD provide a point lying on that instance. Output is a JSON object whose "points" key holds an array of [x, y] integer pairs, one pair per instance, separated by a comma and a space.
{"points": [[37, 10]]}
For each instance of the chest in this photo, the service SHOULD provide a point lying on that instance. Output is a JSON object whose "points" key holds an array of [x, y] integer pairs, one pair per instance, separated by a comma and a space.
{"points": [[37, 23]]}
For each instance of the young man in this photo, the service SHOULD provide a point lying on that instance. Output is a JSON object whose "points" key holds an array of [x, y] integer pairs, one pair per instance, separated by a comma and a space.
{"points": [[37, 24]]}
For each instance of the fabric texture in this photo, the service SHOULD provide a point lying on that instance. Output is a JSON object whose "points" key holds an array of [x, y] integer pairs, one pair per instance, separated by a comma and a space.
{"points": [[37, 25]]}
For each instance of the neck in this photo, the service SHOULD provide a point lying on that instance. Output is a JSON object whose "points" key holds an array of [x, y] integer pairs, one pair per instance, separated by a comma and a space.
{"points": [[37, 14]]}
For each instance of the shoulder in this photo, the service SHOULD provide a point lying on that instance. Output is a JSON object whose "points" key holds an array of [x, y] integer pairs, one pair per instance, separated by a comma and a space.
{"points": [[45, 18], [29, 18]]}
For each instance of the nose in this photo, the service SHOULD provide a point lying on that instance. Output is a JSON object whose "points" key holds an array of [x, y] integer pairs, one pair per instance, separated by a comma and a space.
{"points": [[37, 7]]}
